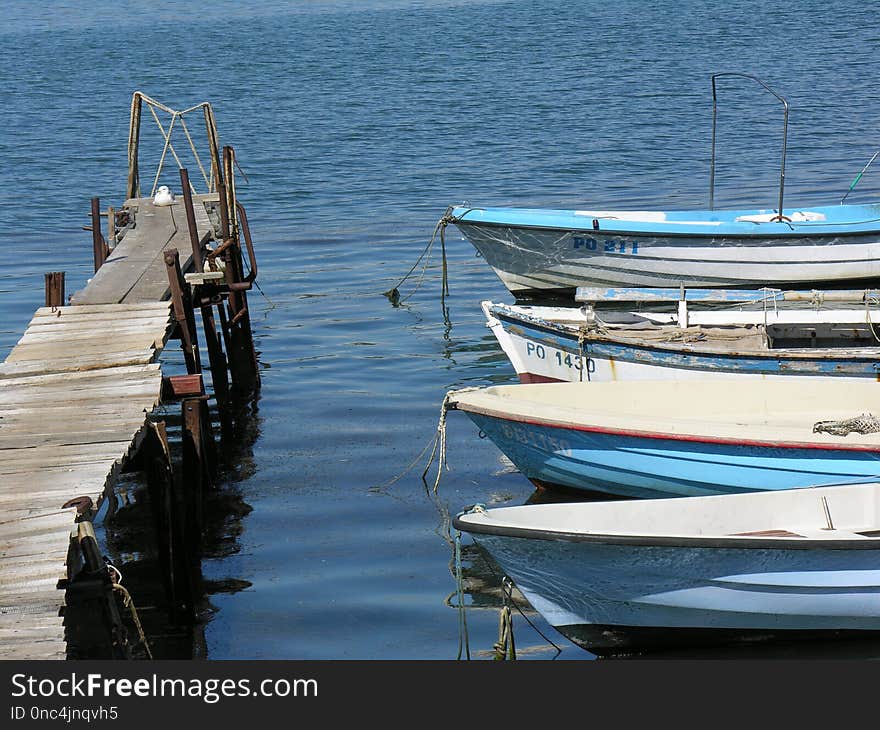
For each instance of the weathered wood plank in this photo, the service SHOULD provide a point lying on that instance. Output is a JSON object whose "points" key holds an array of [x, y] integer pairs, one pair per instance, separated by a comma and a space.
{"points": [[79, 363], [78, 334], [90, 376], [75, 393], [48, 351], [26, 440], [82, 310]]}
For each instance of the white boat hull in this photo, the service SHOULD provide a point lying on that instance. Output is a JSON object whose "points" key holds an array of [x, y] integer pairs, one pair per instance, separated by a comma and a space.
{"points": [[544, 351], [609, 598], [554, 252]]}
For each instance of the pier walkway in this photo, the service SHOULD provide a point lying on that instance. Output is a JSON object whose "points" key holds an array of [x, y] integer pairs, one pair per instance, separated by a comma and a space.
{"points": [[77, 390], [74, 396]]}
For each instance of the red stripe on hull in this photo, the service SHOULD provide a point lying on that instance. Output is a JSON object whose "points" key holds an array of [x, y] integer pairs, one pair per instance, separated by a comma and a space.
{"points": [[530, 378]]}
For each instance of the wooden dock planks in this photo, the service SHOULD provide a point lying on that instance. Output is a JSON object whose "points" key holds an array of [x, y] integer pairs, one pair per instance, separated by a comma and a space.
{"points": [[74, 396], [135, 270]]}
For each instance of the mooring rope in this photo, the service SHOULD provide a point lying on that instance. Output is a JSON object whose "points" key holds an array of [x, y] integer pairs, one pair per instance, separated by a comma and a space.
{"points": [[505, 647], [463, 641], [519, 610], [868, 302], [439, 449], [394, 293], [128, 602]]}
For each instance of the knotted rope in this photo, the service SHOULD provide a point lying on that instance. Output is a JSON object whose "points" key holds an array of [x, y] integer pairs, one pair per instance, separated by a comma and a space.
{"points": [[505, 647], [394, 293], [128, 602], [439, 449]]}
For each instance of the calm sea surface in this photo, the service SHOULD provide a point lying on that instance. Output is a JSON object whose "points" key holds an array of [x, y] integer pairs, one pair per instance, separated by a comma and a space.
{"points": [[356, 124]]}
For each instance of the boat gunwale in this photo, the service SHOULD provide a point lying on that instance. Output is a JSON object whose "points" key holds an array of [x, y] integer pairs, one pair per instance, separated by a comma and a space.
{"points": [[757, 236], [667, 541]]}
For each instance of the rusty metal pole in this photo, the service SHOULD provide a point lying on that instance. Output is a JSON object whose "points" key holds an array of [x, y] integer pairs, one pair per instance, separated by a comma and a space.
{"points": [[99, 245], [54, 283], [183, 312], [242, 356], [215, 352], [191, 219]]}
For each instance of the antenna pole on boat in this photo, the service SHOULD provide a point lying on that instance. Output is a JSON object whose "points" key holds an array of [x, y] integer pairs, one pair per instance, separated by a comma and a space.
{"points": [[779, 216], [859, 176]]}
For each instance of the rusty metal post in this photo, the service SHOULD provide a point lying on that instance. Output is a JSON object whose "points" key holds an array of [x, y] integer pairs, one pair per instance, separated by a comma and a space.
{"points": [[99, 245], [54, 283], [242, 355], [215, 352], [191, 219], [183, 312]]}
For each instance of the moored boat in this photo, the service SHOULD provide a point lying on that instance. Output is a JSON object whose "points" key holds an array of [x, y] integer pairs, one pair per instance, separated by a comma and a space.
{"points": [[536, 252], [552, 343], [683, 438], [547, 251], [624, 576]]}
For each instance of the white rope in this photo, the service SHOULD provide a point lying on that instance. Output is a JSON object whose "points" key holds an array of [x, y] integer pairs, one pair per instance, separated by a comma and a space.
{"points": [[439, 449], [868, 321]]}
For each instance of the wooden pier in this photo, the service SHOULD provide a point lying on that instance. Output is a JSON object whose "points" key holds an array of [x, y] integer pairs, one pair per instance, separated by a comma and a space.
{"points": [[67, 422], [78, 388]]}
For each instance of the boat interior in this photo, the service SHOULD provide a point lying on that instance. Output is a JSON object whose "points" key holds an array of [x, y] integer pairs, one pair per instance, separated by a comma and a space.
{"points": [[842, 512], [784, 413]]}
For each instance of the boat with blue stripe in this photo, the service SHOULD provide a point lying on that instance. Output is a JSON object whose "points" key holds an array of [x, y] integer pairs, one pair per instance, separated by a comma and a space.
{"points": [[687, 438], [541, 251]]}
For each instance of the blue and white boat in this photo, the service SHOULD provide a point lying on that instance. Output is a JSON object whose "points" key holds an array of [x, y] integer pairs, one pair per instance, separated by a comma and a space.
{"points": [[537, 251], [683, 438], [787, 335], [544, 252], [636, 575]]}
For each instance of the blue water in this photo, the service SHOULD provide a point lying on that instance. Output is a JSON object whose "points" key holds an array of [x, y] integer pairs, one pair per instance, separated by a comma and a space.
{"points": [[356, 124]]}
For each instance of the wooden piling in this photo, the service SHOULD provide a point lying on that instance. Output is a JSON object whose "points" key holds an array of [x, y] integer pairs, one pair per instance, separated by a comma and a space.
{"points": [[54, 282], [93, 624], [194, 474]]}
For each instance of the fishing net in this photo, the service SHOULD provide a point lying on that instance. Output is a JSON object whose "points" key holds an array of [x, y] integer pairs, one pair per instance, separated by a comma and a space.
{"points": [[865, 423]]}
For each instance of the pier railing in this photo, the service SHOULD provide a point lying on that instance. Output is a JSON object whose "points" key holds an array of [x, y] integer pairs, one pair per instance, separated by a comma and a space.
{"points": [[175, 120]]}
